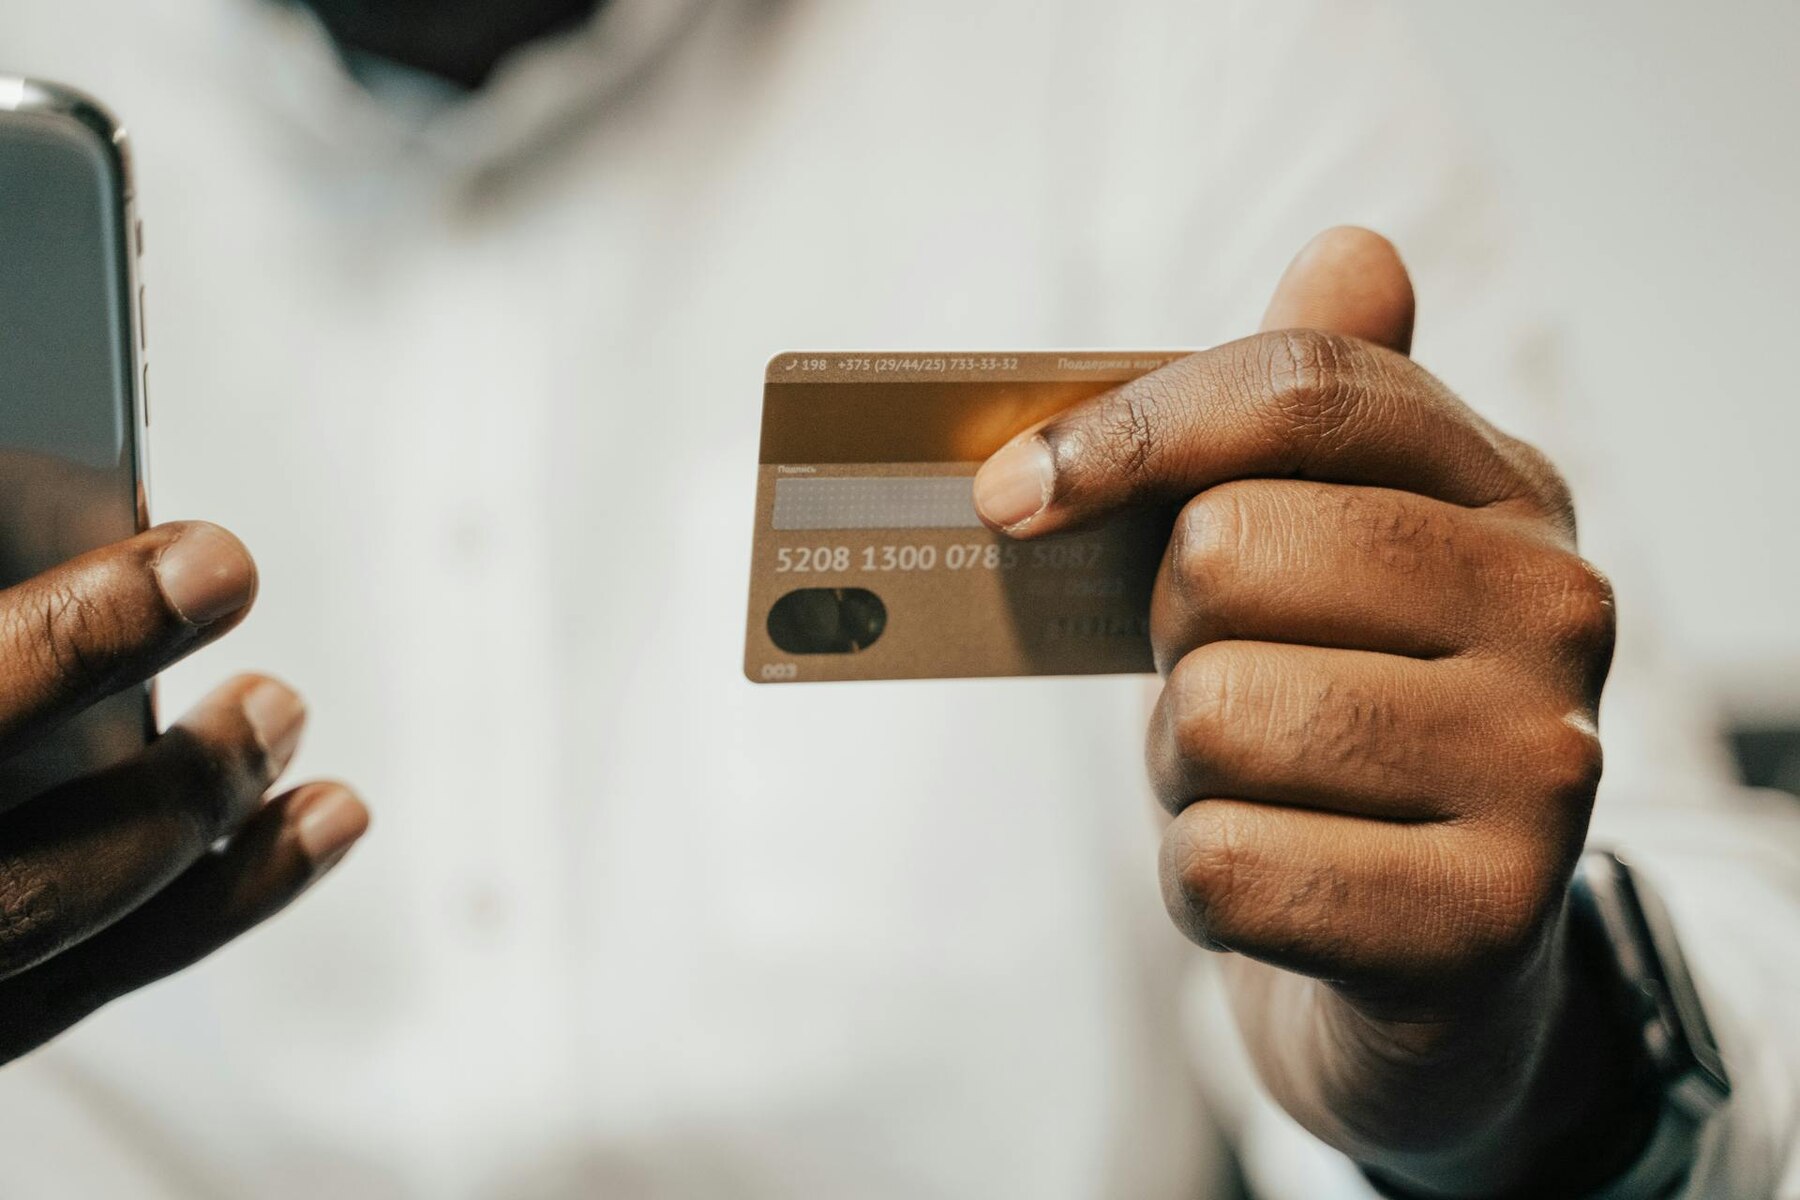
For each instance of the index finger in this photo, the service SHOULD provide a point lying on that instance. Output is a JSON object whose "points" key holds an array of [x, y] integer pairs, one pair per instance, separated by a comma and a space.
{"points": [[112, 618], [1296, 403]]}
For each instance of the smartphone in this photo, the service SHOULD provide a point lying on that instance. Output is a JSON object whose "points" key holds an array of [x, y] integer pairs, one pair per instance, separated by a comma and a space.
{"points": [[73, 382]]}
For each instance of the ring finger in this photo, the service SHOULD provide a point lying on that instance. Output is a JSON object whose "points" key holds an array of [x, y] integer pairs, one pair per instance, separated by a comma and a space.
{"points": [[1373, 735]]}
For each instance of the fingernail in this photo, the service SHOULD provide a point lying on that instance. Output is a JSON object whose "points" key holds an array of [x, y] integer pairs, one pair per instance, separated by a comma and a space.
{"points": [[330, 822], [276, 716], [206, 574], [1014, 485]]}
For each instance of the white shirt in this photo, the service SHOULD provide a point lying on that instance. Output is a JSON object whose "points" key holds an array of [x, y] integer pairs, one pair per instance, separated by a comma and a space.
{"points": [[478, 383]]}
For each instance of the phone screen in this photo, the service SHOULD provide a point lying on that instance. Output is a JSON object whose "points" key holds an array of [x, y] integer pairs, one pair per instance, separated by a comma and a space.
{"points": [[68, 433]]}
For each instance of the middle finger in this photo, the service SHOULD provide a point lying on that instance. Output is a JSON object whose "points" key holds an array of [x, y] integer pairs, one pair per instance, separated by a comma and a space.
{"points": [[1354, 568], [87, 853]]}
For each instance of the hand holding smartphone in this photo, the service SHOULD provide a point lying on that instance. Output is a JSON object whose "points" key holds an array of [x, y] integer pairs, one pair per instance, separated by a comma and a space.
{"points": [[72, 470], [124, 856]]}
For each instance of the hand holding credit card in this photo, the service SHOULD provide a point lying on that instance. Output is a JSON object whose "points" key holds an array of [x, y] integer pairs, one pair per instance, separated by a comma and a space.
{"points": [[1383, 658]]}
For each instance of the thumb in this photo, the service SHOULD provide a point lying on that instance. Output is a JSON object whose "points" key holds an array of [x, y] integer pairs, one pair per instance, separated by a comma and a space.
{"points": [[1350, 281]]}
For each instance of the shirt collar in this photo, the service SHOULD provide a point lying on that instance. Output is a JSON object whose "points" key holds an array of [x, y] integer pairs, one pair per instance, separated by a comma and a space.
{"points": [[386, 111]]}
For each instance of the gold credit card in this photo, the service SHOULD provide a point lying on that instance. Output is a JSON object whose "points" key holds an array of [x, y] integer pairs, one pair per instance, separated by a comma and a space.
{"points": [[869, 560]]}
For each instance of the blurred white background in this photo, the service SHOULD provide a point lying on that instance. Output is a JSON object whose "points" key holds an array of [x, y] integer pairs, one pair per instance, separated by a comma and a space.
{"points": [[1649, 147]]}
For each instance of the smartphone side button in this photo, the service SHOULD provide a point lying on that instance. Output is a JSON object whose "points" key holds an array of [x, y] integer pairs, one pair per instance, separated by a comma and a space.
{"points": [[143, 317], [144, 391]]}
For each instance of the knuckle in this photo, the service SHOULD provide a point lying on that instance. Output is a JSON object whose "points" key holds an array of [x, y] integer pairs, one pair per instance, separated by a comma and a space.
{"points": [[1123, 435], [1204, 857], [197, 787], [1207, 688], [72, 630], [1209, 542], [1582, 610], [56, 628], [1569, 760], [30, 915], [1506, 905], [212, 805], [75, 626], [1308, 372], [1133, 432]]}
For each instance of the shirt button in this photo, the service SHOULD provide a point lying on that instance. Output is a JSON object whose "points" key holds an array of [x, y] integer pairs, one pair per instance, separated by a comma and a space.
{"points": [[484, 911]]}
